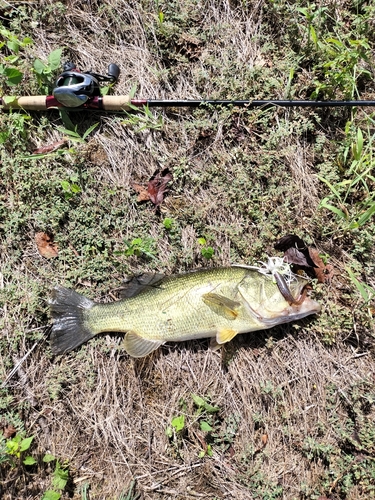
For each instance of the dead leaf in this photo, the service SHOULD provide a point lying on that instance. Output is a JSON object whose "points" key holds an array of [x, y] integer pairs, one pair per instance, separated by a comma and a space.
{"points": [[323, 272], [296, 250], [264, 439], [46, 247], [142, 192], [9, 431], [289, 241], [158, 186], [263, 442], [298, 257], [51, 147], [303, 257]]}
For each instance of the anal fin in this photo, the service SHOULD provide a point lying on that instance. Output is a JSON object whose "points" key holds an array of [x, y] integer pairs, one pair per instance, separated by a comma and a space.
{"points": [[138, 347], [225, 335]]}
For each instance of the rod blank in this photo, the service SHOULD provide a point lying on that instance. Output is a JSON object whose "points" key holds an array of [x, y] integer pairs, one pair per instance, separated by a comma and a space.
{"points": [[257, 104]]}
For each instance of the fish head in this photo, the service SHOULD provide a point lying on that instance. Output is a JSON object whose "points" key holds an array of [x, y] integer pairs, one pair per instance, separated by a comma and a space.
{"points": [[264, 300]]}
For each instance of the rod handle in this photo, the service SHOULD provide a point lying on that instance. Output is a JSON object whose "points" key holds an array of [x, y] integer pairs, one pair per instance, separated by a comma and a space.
{"points": [[31, 102], [116, 102], [42, 102]]}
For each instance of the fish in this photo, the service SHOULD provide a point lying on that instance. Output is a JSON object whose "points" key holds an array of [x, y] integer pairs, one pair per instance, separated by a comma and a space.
{"points": [[217, 303]]}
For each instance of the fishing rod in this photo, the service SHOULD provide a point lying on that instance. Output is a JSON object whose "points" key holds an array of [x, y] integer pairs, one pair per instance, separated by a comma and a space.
{"points": [[75, 90]]}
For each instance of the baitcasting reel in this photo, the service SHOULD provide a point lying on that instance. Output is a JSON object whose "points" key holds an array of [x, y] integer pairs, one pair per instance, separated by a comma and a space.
{"points": [[74, 88]]}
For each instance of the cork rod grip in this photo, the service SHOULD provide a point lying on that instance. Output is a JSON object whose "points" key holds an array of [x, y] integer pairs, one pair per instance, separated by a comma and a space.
{"points": [[42, 102], [32, 102], [116, 102]]}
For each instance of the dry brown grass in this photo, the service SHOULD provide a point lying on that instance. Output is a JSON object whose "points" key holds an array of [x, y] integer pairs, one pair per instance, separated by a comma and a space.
{"points": [[111, 422]]}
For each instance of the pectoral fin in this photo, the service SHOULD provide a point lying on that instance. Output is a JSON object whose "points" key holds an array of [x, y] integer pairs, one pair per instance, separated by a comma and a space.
{"points": [[214, 346], [137, 346], [225, 335], [222, 305]]}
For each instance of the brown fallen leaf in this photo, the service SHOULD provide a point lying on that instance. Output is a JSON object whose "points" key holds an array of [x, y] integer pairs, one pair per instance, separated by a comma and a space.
{"points": [[142, 192], [51, 147], [45, 245], [295, 250], [231, 451], [304, 257], [263, 442], [158, 186], [9, 431], [264, 439], [289, 241], [323, 272]]}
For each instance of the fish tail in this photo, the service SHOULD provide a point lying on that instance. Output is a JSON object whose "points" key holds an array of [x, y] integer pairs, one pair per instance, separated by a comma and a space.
{"points": [[69, 313]]}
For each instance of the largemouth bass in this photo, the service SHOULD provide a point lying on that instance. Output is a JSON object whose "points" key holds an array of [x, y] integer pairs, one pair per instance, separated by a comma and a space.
{"points": [[217, 302]]}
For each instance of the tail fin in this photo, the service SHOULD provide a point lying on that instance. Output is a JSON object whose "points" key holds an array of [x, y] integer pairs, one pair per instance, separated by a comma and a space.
{"points": [[68, 313]]}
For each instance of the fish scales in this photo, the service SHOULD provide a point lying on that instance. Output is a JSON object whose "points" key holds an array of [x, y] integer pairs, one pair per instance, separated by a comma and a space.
{"points": [[175, 309], [217, 302]]}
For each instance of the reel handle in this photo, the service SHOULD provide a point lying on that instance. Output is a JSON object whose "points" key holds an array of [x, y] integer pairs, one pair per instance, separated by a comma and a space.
{"points": [[113, 72]]}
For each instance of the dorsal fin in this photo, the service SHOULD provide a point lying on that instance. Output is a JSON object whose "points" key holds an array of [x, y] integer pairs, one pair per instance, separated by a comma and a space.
{"points": [[137, 284]]}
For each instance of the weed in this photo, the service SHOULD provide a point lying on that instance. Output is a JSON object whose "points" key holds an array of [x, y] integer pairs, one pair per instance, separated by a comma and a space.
{"points": [[84, 491], [129, 493], [270, 390], [342, 69], [260, 485], [72, 133], [14, 127], [46, 71], [70, 187], [219, 432], [367, 292], [177, 425], [216, 432], [17, 446], [168, 223], [60, 477], [10, 75], [356, 186], [13, 452], [314, 450], [203, 405], [143, 120], [206, 250], [139, 247]]}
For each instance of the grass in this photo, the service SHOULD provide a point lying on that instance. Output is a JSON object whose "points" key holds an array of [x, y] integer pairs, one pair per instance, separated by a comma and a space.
{"points": [[295, 404]]}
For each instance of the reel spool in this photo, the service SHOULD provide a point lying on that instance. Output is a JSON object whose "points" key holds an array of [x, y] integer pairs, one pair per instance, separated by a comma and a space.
{"points": [[74, 88]]}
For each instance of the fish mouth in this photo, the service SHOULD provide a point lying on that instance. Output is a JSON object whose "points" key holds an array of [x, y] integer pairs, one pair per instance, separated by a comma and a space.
{"points": [[293, 312], [307, 307]]}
